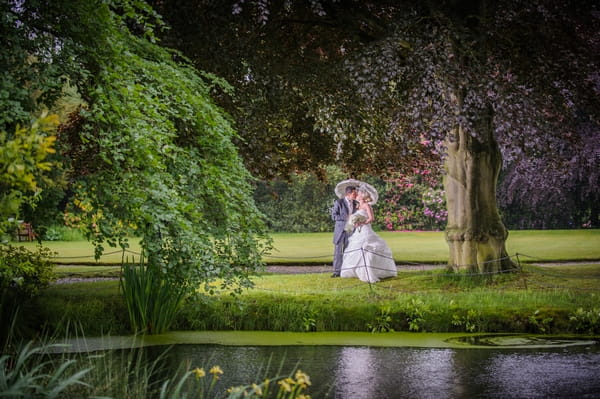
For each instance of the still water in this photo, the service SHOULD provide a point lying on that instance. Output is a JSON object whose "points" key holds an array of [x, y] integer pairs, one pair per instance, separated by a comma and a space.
{"points": [[362, 372]]}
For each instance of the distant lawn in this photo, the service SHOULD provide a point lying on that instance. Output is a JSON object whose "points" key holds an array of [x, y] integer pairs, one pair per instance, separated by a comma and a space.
{"points": [[431, 247], [407, 247]]}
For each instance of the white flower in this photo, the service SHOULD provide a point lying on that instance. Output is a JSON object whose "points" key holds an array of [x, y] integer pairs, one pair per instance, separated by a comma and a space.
{"points": [[355, 219]]}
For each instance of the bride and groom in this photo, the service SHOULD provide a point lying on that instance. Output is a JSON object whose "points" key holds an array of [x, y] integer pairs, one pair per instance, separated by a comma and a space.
{"points": [[359, 251]]}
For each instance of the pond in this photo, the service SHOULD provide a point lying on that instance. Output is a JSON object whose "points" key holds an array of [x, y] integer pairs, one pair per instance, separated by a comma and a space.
{"points": [[444, 366]]}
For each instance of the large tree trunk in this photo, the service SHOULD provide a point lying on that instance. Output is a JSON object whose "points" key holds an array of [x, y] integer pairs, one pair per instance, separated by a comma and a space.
{"points": [[475, 234]]}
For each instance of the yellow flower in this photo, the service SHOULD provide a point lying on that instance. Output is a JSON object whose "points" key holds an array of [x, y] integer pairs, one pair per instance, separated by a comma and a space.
{"points": [[215, 370], [199, 372], [285, 385], [257, 390], [302, 379], [303, 396], [235, 389]]}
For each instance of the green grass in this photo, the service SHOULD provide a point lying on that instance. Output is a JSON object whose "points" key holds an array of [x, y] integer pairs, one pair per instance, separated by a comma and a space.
{"points": [[317, 248], [433, 301], [431, 247], [417, 247], [82, 252], [539, 300]]}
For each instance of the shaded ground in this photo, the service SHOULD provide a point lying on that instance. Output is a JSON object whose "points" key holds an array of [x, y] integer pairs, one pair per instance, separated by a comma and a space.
{"points": [[328, 268], [275, 269]]}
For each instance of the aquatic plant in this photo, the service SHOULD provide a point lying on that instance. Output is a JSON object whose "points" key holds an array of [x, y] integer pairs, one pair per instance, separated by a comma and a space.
{"points": [[383, 321], [586, 321]]}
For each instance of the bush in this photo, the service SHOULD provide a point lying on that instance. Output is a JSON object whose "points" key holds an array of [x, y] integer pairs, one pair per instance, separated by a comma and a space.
{"points": [[22, 275], [62, 233], [25, 271]]}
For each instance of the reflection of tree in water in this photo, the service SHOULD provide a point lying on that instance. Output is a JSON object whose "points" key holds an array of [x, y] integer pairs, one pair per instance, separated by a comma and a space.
{"points": [[541, 374], [377, 373], [415, 373]]}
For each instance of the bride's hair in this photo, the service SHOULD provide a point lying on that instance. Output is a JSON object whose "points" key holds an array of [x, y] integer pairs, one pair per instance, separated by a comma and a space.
{"points": [[365, 195]]}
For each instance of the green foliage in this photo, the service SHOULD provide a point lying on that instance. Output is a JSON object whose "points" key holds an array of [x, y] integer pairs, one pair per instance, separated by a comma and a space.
{"points": [[155, 156], [25, 271], [540, 322], [309, 321], [48, 371], [61, 233], [33, 65], [585, 321], [301, 204], [383, 321], [62, 306], [23, 167], [25, 376], [148, 151], [417, 312], [294, 301], [23, 274], [152, 302], [52, 234], [469, 321]]}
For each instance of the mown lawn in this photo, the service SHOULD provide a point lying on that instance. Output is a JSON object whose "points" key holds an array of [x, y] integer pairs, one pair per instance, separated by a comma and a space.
{"points": [[407, 247], [542, 299]]}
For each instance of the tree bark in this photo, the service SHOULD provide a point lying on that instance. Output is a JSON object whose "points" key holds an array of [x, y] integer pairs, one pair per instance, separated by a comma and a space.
{"points": [[475, 233]]}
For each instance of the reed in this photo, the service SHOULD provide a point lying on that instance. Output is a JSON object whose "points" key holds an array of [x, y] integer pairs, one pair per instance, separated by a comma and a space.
{"points": [[152, 301], [41, 369]]}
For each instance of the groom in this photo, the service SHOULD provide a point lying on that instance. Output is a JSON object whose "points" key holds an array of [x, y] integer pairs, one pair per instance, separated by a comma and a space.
{"points": [[342, 209]]}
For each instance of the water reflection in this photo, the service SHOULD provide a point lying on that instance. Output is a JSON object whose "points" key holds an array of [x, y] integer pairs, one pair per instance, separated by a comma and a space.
{"points": [[369, 372], [540, 375], [372, 373]]}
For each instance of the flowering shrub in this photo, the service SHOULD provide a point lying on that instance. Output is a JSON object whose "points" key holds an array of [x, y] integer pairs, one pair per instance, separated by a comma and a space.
{"points": [[413, 202]]}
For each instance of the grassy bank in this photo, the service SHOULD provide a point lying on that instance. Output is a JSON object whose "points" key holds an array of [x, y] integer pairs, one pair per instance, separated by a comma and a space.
{"points": [[407, 247], [539, 300]]}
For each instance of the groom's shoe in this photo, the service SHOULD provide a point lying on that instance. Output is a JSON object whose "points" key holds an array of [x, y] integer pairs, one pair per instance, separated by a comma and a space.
{"points": [[335, 275]]}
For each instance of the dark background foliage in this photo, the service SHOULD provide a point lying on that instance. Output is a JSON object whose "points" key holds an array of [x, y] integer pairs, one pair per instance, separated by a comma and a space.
{"points": [[361, 84]]}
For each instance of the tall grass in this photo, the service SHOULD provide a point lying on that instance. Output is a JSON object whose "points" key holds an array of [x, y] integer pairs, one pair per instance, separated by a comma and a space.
{"points": [[46, 370], [32, 374], [152, 301]]}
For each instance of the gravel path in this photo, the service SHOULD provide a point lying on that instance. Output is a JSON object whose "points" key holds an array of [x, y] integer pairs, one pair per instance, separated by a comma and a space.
{"points": [[288, 269], [283, 269]]}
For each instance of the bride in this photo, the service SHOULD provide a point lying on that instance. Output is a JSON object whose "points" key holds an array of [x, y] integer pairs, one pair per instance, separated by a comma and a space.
{"points": [[367, 256]]}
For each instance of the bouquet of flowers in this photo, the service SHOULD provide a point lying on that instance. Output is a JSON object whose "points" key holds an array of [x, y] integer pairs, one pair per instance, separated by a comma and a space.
{"points": [[355, 219]]}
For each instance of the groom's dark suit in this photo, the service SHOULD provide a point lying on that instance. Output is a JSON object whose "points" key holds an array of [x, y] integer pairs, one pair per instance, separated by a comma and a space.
{"points": [[340, 213]]}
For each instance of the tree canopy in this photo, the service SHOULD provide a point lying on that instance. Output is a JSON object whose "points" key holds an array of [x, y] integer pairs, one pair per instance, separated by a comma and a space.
{"points": [[364, 84], [147, 152]]}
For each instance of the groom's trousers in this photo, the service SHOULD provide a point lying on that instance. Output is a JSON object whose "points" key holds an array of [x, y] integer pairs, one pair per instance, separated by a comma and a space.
{"points": [[338, 254]]}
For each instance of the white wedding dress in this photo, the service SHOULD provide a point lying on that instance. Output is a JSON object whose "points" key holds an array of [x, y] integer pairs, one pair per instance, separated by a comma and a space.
{"points": [[367, 256]]}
